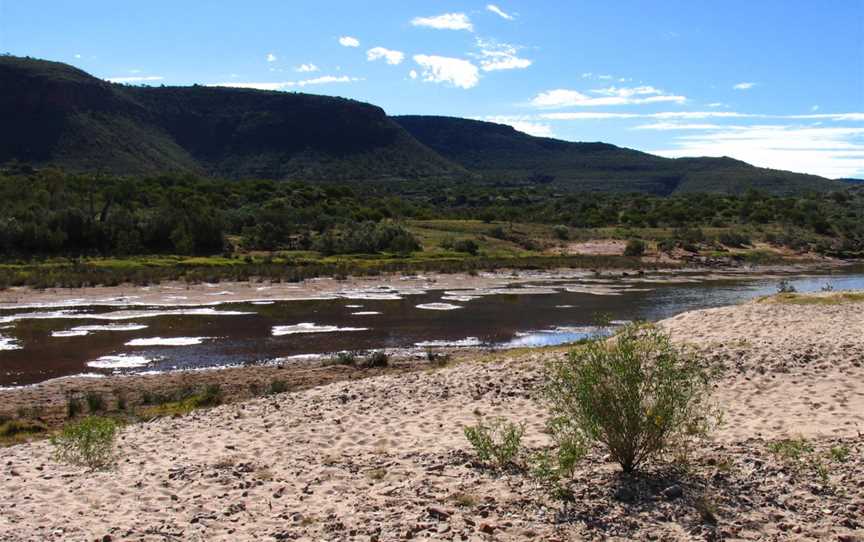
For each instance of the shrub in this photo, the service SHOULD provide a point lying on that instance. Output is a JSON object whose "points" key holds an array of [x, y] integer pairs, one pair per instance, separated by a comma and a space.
{"points": [[277, 386], [498, 443], [73, 405], [379, 358], [342, 358], [635, 247], [466, 245], [211, 396], [561, 232], [734, 239], [635, 394], [89, 442], [95, 402]]}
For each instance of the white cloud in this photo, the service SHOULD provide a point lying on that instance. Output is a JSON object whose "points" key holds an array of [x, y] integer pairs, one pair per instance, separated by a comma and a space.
{"points": [[716, 104], [285, 85], [695, 115], [136, 79], [604, 76], [744, 86], [814, 108], [607, 96], [495, 55], [306, 68], [348, 41], [271, 57], [831, 152], [442, 69], [521, 123], [391, 56], [77, 55], [447, 21], [500, 12]]}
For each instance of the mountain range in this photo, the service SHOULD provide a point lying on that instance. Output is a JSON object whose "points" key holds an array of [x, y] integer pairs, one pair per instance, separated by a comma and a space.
{"points": [[56, 114]]}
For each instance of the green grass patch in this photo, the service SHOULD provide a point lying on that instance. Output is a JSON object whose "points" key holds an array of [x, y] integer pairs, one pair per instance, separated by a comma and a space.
{"points": [[814, 299]]}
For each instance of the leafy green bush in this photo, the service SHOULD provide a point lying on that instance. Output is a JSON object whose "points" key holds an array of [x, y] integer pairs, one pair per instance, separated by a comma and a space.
{"points": [[89, 442], [635, 394], [342, 358], [498, 443], [635, 247], [562, 232]]}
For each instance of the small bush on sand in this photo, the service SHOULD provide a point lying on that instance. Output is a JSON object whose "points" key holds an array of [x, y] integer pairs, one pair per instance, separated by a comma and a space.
{"points": [[379, 358], [89, 442], [277, 386], [498, 443], [342, 358], [73, 405], [635, 394], [635, 247], [95, 402]]}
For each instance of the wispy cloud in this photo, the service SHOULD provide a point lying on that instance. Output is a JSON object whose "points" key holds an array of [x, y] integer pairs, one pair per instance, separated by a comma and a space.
{"points": [[520, 123], [495, 55], [306, 68], [696, 115], [286, 85], [136, 79], [349, 41], [447, 21], [746, 85], [389, 55], [500, 12], [271, 57], [604, 96], [454, 71], [828, 151]]}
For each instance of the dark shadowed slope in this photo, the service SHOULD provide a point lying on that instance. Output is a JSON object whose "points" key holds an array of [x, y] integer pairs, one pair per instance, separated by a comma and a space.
{"points": [[54, 113], [499, 152]]}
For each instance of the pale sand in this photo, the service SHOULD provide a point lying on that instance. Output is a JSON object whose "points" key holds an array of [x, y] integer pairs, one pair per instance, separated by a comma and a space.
{"points": [[385, 458]]}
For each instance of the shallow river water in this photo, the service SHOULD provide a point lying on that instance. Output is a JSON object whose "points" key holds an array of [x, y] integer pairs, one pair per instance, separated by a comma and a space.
{"points": [[40, 343]]}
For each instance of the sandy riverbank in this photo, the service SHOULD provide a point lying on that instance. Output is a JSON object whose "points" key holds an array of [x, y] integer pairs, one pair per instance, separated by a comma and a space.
{"points": [[189, 294], [384, 458]]}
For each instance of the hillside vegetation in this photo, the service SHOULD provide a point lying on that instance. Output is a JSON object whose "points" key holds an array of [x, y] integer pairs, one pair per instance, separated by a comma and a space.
{"points": [[55, 114]]}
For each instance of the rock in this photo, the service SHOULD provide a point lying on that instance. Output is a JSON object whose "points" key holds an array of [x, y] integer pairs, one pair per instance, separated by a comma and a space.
{"points": [[107, 538], [487, 528], [673, 492], [439, 513]]}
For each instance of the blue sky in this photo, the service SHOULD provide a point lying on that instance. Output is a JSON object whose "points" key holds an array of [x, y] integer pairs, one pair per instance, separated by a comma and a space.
{"points": [[776, 83]]}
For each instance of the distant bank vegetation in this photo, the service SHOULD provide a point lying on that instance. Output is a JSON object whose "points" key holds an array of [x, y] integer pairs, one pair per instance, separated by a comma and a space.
{"points": [[49, 214]]}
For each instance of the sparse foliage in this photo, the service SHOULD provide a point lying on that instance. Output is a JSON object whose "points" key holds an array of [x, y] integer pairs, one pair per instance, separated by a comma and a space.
{"points": [[635, 394], [89, 442], [498, 443]]}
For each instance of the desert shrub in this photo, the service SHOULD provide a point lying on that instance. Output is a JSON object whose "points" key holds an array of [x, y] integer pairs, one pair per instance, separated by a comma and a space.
{"points": [[342, 358], [277, 386], [498, 443], [635, 394], [211, 395], [468, 246], [667, 245], [635, 247], [562, 232], [11, 428], [379, 358], [95, 402], [89, 442], [734, 239], [74, 407]]}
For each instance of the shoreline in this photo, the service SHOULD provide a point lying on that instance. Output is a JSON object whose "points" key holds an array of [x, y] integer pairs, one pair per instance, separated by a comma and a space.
{"points": [[181, 294]]}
